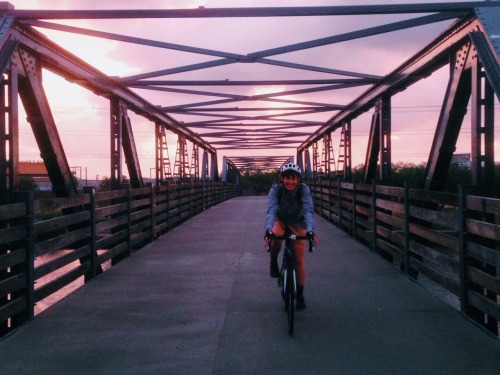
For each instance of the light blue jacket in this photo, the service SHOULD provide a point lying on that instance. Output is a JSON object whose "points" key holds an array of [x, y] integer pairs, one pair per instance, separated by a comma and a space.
{"points": [[292, 209]]}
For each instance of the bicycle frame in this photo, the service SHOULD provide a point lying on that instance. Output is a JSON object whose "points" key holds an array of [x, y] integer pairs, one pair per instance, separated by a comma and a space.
{"points": [[287, 279], [287, 266]]}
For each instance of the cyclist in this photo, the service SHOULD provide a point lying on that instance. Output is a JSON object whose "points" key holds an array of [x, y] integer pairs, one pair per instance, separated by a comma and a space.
{"points": [[290, 205]]}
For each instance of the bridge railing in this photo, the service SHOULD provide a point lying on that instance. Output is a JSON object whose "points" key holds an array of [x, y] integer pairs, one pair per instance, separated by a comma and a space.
{"points": [[49, 245], [451, 239]]}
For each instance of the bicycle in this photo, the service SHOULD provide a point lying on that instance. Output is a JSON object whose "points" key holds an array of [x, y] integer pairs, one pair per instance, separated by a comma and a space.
{"points": [[287, 279]]}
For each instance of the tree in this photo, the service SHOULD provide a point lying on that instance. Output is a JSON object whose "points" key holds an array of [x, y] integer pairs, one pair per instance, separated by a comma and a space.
{"points": [[259, 182], [27, 183], [105, 184]]}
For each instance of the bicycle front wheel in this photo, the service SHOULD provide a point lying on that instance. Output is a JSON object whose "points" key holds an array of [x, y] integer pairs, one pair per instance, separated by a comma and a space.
{"points": [[290, 302]]}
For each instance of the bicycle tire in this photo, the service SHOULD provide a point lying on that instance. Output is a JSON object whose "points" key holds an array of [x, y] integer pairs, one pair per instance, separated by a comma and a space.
{"points": [[290, 302]]}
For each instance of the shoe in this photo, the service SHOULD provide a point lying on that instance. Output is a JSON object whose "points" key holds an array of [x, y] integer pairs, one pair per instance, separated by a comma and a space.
{"points": [[275, 271], [301, 303]]}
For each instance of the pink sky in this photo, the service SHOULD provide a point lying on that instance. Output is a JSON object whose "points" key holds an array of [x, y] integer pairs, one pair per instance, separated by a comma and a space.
{"points": [[83, 118]]}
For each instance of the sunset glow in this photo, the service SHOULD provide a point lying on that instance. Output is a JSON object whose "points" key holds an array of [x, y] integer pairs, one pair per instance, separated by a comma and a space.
{"points": [[83, 118]]}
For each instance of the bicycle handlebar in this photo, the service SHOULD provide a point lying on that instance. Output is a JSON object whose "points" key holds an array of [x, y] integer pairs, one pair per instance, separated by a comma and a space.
{"points": [[291, 237]]}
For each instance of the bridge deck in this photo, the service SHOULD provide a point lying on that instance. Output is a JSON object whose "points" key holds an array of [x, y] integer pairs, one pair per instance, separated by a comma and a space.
{"points": [[199, 301]]}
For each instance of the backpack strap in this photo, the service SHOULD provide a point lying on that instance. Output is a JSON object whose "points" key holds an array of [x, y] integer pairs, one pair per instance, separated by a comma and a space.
{"points": [[280, 188]]}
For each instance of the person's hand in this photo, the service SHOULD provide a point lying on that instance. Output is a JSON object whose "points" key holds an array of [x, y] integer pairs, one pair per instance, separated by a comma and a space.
{"points": [[311, 236], [267, 237]]}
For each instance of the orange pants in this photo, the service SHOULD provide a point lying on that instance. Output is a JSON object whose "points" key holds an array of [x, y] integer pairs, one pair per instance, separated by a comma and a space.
{"points": [[298, 247]]}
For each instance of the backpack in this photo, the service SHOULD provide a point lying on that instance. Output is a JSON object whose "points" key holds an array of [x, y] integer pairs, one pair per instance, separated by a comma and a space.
{"points": [[280, 188]]}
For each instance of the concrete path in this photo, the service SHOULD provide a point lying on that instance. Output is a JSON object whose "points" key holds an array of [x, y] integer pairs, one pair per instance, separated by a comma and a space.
{"points": [[199, 300]]}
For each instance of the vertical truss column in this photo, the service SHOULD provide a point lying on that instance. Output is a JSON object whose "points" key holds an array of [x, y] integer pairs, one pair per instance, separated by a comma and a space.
{"points": [[116, 137], [204, 166], [214, 170], [348, 151], [325, 155], [300, 162], [379, 143], [224, 169], [9, 135], [316, 162], [158, 154], [372, 150], [482, 132], [385, 140], [328, 156], [195, 163], [344, 159], [307, 161], [9, 126], [181, 167], [230, 172], [163, 167]]}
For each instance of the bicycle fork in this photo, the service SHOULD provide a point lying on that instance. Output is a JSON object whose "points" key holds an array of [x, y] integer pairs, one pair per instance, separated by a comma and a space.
{"points": [[284, 284]]}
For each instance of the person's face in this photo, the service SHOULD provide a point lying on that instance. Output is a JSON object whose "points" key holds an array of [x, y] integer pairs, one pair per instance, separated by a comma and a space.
{"points": [[290, 182]]}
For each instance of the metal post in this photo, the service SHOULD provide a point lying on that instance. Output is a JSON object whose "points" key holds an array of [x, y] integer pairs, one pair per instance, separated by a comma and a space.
{"points": [[30, 249], [153, 211], [214, 171], [385, 140], [407, 227], [300, 162], [462, 249], [90, 190], [308, 172], [374, 214], [115, 143], [354, 210], [204, 166], [224, 168]]}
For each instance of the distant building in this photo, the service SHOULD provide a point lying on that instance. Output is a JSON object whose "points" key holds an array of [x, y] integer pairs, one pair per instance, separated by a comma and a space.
{"points": [[34, 169], [462, 160]]}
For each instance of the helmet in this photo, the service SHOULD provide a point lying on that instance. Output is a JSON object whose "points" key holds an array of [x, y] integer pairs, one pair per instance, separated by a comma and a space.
{"points": [[290, 168]]}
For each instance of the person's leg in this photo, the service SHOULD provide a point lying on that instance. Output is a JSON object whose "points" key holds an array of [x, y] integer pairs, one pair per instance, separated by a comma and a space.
{"points": [[277, 230], [299, 249]]}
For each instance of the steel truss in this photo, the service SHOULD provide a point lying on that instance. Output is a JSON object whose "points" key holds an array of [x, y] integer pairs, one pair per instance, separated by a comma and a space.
{"points": [[278, 121]]}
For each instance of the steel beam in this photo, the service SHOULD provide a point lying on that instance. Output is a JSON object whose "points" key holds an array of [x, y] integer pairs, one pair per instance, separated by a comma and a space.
{"points": [[214, 170], [308, 169], [9, 135], [224, 169], [450, 120], [158, 154], [300, 162], [202, 12], [195, 163], [130, 150], [116, 139], [482, 132], [345, 154], [65, 64], [204, 166], [42, 122], [385, 141], [428, 60], [373, 147]]}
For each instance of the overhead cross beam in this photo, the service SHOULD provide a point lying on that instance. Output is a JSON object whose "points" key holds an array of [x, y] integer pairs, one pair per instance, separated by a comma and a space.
{"points": [[202, 12], [428, 60], [62, 62], [281, 118]]}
